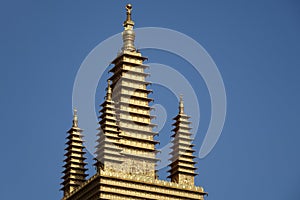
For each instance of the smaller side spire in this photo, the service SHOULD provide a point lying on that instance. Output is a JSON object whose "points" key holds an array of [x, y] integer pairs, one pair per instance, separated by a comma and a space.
{"points": [[107, 153], [75, 165], [182, 161]]}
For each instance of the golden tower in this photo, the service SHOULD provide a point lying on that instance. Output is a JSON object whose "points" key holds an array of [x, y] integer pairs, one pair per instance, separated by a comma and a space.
{"points": [[182, 165], [74, 173], [125, 156], [107, 150]]}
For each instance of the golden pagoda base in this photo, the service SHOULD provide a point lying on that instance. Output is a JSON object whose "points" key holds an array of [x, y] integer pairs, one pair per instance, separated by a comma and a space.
{"points": [[110, 185]]}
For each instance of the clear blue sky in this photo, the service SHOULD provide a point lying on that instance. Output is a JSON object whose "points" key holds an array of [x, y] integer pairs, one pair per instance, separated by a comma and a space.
{"points": [[255, 44]]}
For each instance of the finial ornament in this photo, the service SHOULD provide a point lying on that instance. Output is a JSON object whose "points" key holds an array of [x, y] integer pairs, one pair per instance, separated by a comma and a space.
{"points": [[75, 118], [128, 24], [129, 9], [109, 92], [181, 105], [128, 33]]}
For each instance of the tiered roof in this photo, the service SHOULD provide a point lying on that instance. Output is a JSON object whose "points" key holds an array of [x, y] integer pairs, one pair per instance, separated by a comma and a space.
{"points": [[107, 149], [125, 150], [182, 160], [75, 167]]}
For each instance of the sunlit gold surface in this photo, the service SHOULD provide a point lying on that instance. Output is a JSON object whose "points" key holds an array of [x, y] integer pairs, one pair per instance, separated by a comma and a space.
{"points": [[74, 173], [125, 151]]}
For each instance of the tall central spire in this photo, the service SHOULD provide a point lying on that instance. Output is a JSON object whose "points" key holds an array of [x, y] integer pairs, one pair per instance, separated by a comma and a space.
{"points": [[132, 107], [128, 33]]}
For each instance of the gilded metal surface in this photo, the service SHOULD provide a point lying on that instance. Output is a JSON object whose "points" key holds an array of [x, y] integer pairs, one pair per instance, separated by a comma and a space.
{"points": [[74, 172], [182, 164], [125, 151]]}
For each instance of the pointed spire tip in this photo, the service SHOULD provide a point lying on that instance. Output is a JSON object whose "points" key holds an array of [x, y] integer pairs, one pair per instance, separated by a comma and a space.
{"points": [[128, 33], [181, 104], [75, 118], [128, 23]]}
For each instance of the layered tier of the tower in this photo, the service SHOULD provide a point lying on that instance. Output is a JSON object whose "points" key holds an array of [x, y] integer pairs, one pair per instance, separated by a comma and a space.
{"points": [[134, 120], [75, 165], [182, 161], [107, 153]]}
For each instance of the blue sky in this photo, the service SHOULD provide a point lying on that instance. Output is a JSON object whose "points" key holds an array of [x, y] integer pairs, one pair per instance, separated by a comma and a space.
{"points": [[255, 45]]}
